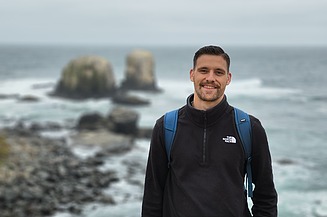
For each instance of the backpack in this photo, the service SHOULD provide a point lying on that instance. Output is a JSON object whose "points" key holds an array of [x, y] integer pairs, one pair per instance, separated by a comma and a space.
{"points": [[243, 125]]}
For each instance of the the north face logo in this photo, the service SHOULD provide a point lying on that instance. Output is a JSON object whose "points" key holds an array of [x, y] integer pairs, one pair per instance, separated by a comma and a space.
{"points": [[230, 139]]}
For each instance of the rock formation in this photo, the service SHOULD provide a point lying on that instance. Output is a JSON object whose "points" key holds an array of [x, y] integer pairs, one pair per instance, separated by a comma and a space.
{"points": [[86, 77], [43, 176], [139, 73], [119, 124], [124, 98], [91, 121], [123, 121]]}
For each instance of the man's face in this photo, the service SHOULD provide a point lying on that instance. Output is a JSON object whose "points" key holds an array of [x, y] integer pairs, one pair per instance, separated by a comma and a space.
{"points": [[210, 77]]}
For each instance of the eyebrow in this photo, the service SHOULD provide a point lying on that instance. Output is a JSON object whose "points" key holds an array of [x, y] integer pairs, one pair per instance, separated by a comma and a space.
{"points": [[204, 67], [216, 69]]}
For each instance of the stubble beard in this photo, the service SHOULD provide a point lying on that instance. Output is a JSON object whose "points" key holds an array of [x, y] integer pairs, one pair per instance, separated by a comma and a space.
{"points": [[212, 97]]}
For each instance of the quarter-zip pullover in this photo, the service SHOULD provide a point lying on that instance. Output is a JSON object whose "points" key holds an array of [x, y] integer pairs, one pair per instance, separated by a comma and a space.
{"points": [[206, 173]]}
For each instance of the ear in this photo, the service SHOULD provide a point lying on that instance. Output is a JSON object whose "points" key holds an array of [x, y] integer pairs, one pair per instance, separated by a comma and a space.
{"points": [[229, 78], [192, 75]]}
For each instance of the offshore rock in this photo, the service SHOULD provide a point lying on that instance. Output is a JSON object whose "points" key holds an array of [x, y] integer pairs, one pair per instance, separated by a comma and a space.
{"points": [[47, 126], [123, 121], [118, 128], [91, 121], [139, 73], [29, 98], [124, 98], [86, 77]]}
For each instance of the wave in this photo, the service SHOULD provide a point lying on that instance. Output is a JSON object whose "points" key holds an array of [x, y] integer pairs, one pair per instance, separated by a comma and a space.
{"points": [[46, 109], [35, 87], [173, 96], [253, 87]]}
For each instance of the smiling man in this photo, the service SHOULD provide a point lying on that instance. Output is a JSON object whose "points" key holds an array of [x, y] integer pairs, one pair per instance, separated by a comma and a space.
{"points": [[203, 173], [210, 75]]}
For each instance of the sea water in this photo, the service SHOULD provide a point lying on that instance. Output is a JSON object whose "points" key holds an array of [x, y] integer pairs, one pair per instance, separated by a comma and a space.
{"points": [[285, 87]]}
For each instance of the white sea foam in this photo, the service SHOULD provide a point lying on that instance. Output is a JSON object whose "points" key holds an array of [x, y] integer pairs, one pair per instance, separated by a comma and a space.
{"points": [[313, 203], [25, 87], [47, 108], [255, 88], [252, 87], [174, 89]]}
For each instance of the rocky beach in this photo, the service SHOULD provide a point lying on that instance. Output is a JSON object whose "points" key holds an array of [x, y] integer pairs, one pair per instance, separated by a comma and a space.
{"points": [[41, 176]]}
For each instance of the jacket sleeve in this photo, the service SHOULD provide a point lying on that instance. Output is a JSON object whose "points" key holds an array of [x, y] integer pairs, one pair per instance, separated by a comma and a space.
{"points": [[264, 195], [156, 173]]}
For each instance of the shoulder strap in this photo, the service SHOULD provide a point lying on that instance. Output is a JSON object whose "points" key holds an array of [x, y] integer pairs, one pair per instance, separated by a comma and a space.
{"points": [[170, 125], [243, 126]]}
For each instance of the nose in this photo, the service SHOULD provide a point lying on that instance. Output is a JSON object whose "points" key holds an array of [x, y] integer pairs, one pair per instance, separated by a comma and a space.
{"points": [[211, 76]]}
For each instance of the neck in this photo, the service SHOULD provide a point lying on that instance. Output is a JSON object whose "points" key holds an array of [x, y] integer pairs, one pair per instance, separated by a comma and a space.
{"points": [[205, 105]]}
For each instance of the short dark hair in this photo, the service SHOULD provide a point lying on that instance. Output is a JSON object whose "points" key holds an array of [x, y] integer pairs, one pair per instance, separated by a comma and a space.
{"points": [[211, 50]]}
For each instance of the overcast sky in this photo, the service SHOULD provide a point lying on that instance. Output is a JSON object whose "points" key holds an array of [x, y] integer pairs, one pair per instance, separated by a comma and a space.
{"points": [[164, 22]]}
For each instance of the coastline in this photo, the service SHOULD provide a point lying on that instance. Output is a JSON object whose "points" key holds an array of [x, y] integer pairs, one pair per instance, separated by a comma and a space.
{"points": [[43, 176]]}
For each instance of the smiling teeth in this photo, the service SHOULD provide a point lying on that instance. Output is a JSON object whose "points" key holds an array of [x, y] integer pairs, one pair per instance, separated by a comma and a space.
{"points": [[209, 87]]}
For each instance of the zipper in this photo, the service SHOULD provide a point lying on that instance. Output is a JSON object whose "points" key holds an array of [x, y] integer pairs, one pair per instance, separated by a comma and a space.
{"points": [[204, 139]]}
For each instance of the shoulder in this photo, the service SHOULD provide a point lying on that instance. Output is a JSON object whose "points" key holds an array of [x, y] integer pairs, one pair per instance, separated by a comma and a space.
{"points": [[256, 125], [159, 124], [160, 121], [259, 137], [258, 131], [180, 111], [255, 122]]}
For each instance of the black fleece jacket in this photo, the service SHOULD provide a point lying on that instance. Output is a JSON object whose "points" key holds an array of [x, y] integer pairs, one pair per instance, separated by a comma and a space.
{"points": [[206, 174]]}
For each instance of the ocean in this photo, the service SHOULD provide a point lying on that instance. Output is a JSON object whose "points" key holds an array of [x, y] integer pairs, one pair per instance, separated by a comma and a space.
{"points": [[285, 87]]}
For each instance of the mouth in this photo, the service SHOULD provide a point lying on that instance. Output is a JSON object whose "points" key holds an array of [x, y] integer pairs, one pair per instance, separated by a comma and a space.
{"points": [[210, 87]]}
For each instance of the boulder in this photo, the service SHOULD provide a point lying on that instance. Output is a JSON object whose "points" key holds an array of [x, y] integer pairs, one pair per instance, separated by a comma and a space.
{"points": [[48, 126], [144, 133], [109, 142], [119, 127], [139, 73], [86, 77], [123, 121], [91, 121], [29, 98], [286, 161], [125, 98]]}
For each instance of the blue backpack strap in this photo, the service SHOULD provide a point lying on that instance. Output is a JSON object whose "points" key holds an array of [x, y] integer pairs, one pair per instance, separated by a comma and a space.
{"points": [[170, 125], [244, 129]]}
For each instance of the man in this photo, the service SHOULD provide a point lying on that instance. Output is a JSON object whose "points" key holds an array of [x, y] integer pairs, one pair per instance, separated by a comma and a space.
{"points": [[205, 176]]}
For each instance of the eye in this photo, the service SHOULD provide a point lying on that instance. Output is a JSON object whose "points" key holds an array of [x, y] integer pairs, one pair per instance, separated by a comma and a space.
{"points": [[203, 70], [219, 72]]}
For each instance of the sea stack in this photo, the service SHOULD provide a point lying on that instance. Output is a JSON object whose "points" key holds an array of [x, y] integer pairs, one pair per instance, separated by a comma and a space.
{"points": [[139, 73], [87, 77]]}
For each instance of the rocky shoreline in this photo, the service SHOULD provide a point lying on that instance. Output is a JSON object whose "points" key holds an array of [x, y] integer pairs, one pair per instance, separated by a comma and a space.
{"points": [[42, 176]]}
